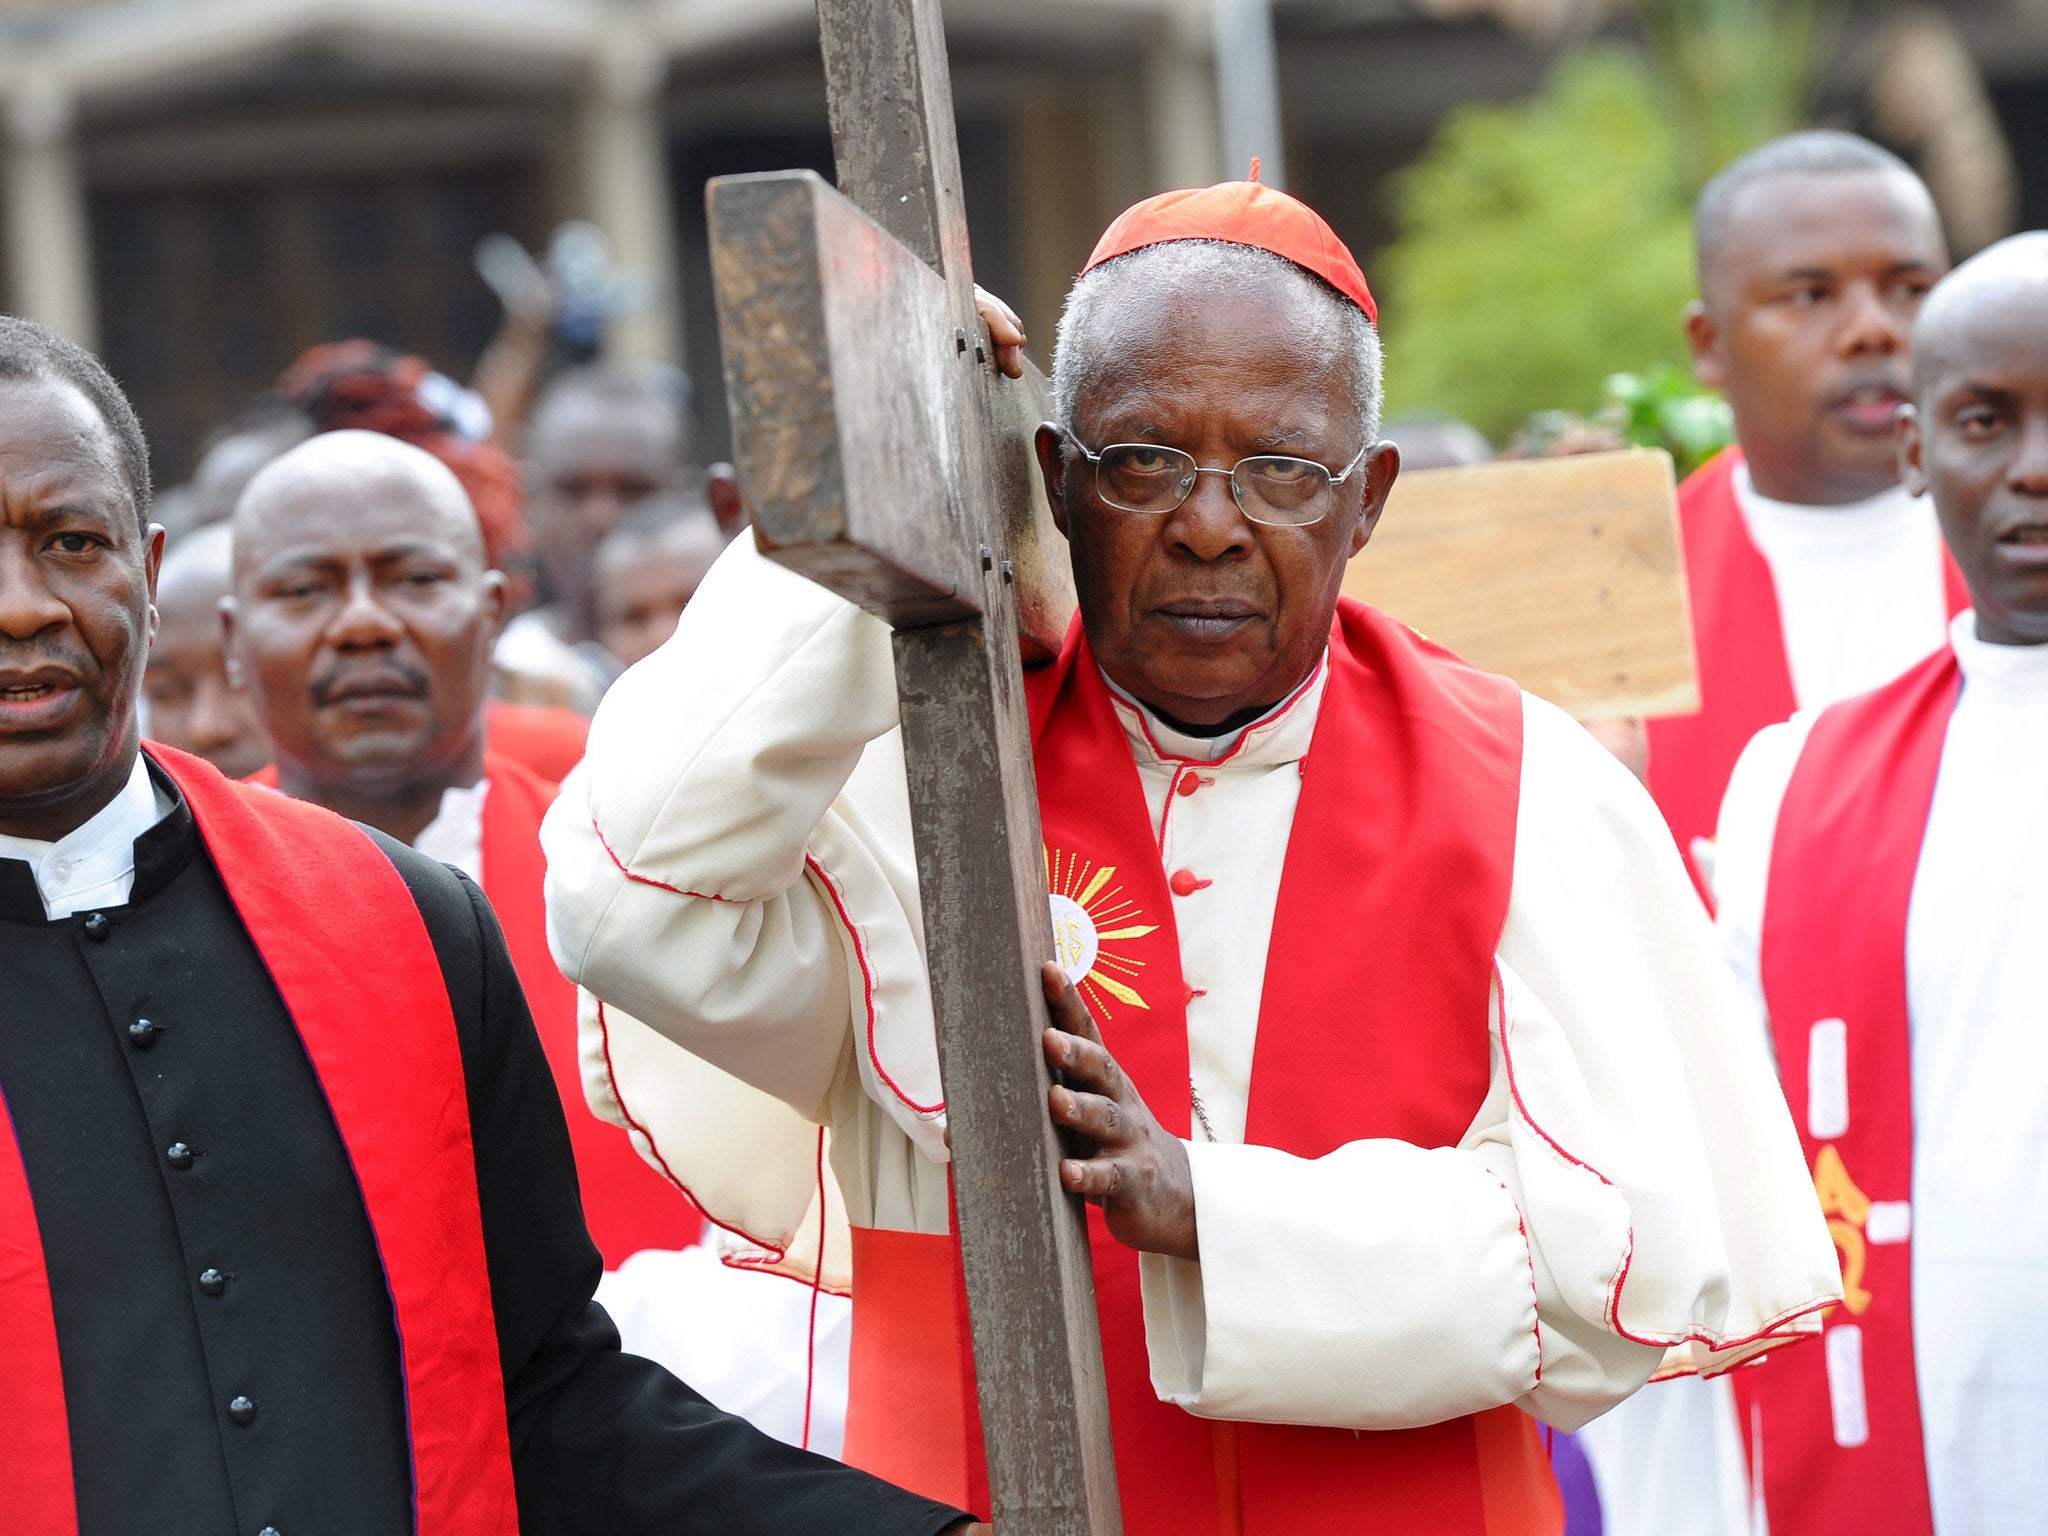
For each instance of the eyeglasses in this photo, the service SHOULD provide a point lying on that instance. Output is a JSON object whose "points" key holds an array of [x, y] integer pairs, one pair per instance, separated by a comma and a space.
{"points": [[1272, 488]]}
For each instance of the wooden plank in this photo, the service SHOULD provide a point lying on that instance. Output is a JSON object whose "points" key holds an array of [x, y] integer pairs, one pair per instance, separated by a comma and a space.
{"points": [[895, 151], [1563, 574]]}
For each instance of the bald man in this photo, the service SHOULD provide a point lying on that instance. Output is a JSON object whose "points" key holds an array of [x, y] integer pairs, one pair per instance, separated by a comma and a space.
{"points": [[362, 621], [193, 704], [1884, 888], [1812, 575]]}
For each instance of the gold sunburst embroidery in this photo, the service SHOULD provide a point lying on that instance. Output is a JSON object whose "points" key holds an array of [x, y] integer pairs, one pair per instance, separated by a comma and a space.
{"points": [[1090, 912]]}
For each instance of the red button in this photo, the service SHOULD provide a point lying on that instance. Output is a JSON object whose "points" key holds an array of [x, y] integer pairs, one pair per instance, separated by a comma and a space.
{"points": [[1188, 784], [1184, 882]]}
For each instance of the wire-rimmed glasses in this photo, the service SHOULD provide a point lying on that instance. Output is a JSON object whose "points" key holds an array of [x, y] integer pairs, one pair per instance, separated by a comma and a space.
{"points": [[1272, 488]]}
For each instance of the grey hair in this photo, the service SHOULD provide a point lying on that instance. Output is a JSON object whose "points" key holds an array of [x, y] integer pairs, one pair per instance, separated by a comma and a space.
{"points": [[1099, 298]]}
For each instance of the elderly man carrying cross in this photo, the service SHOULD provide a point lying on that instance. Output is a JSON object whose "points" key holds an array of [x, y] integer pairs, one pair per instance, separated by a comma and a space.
{"points": [[1420, 1107]]}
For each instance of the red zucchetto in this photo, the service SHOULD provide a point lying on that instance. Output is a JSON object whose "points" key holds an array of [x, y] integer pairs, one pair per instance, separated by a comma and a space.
{"points": [[1241, 213]]}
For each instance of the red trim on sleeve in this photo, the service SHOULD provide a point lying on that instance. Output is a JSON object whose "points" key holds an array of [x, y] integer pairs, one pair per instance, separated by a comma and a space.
{"points": [[660, 885], [867, 980], [1715, 1341], [612, 1081]]}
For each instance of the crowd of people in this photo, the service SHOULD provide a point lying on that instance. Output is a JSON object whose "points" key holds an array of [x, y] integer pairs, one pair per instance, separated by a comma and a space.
{"points": [[1460, 1098]]}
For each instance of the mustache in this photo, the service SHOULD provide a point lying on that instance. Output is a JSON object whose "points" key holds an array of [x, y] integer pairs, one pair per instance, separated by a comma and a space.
{"points": [[1897, 380], [32, 656], [411, 678]]}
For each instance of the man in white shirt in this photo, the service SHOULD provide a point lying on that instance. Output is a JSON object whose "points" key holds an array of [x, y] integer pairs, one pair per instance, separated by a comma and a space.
{"points": [[363, 619], [1882, 892], [1431, 1111], [1811, 575]]}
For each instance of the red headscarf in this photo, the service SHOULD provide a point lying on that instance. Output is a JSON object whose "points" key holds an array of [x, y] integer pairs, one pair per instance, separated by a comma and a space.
{"points": [[1241, 213], [366, 386]]}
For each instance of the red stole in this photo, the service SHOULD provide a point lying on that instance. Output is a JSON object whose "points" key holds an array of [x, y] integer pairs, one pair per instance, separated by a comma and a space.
{"points": [[1841, 1449], [626, 1204], [540, 738], [1405, 831], [316, 896], [1739, 644]]}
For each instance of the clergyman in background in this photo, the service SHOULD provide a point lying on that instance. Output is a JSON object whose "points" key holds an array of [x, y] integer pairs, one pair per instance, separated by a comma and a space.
{"points": [[362, 624], [193, 702], [1884, 887], [647, 570], [1812, 575]]}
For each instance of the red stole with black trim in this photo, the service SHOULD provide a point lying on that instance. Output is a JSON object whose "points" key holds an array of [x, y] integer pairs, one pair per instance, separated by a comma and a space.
{"points": [[626, 1204], [1841, 1444], [1745, 676], [317, 897], [1373, 1023]]}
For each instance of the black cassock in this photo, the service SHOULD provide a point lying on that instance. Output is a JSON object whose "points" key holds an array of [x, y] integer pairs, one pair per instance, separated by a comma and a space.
{"points": [[230, 1359]]}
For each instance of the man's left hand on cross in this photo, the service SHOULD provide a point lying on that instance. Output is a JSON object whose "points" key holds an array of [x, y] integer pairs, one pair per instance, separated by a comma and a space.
{"points": [[1137, 1172]]}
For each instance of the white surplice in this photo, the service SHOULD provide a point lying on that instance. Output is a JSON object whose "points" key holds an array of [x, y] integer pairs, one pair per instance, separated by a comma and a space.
{"points": [[1979, 1219], [1860, 598], [732, 865], [1860, 589]]}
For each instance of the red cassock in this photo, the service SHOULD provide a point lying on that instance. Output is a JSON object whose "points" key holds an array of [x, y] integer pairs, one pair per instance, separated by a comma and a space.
{"points": [[1833, 963], [383, 1045], [1374, 1023], [627, 1204], [1745, 677]]}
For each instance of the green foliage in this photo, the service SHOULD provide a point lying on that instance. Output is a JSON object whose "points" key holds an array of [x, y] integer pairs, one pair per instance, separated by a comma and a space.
{"points": [[1738, 71], [1545, 245], [1665, 408]]}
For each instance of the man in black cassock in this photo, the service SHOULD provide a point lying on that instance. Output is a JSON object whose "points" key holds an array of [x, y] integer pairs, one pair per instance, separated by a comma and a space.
{"points": [[290, 1240]]}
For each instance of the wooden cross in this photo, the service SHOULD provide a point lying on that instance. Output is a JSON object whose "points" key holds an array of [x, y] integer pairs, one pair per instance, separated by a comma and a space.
{"points": [[884, 459]]}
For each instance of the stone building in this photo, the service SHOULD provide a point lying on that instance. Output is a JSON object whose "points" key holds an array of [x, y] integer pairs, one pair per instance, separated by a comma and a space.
{"points": [[202, 188]]}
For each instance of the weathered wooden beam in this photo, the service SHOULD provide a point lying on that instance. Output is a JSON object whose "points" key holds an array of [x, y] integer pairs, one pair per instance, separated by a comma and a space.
{"points": [[865, 424], [895, 150], [1023, 1240], [840, 376], [845, 387]]}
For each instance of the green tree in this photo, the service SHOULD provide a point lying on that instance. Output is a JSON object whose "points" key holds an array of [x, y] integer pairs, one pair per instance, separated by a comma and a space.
{"points": [[1738, 72], [1545, 245]]}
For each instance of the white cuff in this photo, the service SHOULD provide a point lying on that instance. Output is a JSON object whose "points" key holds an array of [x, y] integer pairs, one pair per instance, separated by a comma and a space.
{"points": [[1381, 1287]]}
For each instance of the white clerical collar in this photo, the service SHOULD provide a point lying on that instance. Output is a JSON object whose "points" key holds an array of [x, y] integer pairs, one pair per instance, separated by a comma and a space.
{"points": [[1826, 526], [93, 865], [2012, 674], [1280, 735], [456, 834]]}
